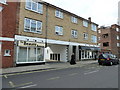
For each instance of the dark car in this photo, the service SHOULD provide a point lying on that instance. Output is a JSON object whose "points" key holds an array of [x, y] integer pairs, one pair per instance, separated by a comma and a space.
{"points": [[107, 59]]}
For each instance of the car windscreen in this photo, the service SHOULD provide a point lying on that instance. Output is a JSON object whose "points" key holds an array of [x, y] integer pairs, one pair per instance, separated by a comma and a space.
{"points": [[103, 56]]}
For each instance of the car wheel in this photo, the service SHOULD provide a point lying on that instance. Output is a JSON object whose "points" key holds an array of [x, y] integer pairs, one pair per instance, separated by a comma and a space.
{"points": [[111, 63]]}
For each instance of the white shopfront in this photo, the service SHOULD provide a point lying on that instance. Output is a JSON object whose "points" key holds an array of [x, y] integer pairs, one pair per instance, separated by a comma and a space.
{"points": [[29, 50]]}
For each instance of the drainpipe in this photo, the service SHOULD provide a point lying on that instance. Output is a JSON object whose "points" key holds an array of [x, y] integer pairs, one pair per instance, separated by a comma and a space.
{"points": [[46, 31]]}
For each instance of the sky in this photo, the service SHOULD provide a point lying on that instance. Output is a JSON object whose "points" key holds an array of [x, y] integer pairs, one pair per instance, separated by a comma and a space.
{"points": [[102, 12]]}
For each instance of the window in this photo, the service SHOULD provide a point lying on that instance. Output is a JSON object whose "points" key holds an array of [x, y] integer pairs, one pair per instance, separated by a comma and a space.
{"points": [[34, 6], [7, 53], [117, 29], [74, 19], [93, 27], [1, 8], [59, 30], [118, 38], [99, 31], [85, 35], [3, 1], [59, 14], [98, 38], [118, 44], [105, 44], [105, 35], [94, 39], [32, 26], [74, 33], [85, 23]]}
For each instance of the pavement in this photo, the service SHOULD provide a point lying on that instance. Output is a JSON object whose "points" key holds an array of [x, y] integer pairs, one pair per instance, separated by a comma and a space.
{"points": [[48, 65]]}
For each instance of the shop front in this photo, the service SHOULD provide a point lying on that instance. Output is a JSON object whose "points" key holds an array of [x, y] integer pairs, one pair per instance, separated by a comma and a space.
{"points": [[29, 52], [87, 53]]}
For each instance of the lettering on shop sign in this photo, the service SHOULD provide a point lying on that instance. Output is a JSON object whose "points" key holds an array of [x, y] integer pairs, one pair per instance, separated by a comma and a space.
{"points": [[25, 43]]}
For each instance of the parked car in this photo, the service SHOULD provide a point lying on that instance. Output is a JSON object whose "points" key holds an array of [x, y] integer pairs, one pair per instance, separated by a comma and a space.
{"points": [[107, 59]]}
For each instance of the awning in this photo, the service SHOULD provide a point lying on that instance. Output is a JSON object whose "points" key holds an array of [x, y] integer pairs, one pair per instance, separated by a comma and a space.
{"points": [[89, 48]]}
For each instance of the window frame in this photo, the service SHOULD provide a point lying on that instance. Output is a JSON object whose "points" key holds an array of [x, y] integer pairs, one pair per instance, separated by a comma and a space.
{"points": [[40, 11], [85, 23], [7, 52], [59, 14], [59, 30], [74, 33], [85, 35], [74, 19], [93, 38], [36, 28], [93, 27]]}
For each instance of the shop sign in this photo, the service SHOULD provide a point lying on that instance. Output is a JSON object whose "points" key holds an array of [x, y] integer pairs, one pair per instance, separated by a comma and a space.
{"points": [[26, 43]]}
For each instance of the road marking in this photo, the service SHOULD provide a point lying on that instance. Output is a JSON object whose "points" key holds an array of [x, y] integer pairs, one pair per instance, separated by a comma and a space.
{"points": [[29, 86], [91, 72], [73, 74], [11, 84], [53, 78], [23, 84], [5, 76]]}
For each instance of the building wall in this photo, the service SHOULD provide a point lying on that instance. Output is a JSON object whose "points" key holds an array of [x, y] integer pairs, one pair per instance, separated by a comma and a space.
{"points": [[8, 31]]}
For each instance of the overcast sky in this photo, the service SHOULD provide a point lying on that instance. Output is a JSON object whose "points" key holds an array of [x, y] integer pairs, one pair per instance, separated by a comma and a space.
{"points": [[102, 12]]}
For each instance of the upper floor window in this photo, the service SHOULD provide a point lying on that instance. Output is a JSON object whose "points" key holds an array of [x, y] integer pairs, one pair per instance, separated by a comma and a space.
{"points": [[93, 27], [99, 31], [106, 44], [59, 14], [118, 38], [34, 6], [117, 29], [3, 1], [73, 19], [118, 44], [94, 39], [74, 33], [58, 30], [32, 26], [85, 23], [85, 35]]}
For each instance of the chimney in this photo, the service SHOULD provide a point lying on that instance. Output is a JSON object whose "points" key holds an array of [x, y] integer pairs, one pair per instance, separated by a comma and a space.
{"points": [[89, 19]]}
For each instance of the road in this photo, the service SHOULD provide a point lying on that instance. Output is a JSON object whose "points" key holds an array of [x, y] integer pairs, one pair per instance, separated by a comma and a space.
{"points": [[89, 76]]}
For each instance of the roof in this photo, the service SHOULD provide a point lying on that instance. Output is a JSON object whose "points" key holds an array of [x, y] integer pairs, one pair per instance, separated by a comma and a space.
{"points": [[51, 5]]}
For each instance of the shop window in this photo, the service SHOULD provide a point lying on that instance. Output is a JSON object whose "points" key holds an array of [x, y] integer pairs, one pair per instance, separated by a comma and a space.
{"points": [[7, 53], [55, 57], [105, 44]]}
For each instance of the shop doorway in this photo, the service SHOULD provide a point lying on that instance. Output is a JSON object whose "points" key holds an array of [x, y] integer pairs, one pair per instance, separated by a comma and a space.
{"points": [[74, 51]]}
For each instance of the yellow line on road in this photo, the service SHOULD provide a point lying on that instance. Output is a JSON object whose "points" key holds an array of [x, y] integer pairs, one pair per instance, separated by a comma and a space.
{"points": [[53, 78]]}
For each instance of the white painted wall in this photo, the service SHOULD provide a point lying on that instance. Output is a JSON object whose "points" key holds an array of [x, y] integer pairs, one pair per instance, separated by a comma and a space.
{"points": [[59, 49]]}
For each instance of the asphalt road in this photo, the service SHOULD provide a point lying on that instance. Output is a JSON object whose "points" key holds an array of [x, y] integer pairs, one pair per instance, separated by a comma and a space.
{"points": [[90, 76]]}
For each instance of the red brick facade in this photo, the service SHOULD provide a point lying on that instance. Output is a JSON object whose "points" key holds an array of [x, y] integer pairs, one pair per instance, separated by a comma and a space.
{"points": [[109, 35], [8, 25]]}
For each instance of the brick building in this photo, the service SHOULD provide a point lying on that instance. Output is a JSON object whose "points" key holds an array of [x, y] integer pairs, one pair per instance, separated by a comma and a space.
{"points": [[38, 32], [109, 39]]}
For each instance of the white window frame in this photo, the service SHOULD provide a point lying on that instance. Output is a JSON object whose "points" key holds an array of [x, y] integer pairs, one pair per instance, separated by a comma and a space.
{"points": [[118, 38], [85, 23], [38, 10], [118, 44], [59, 14], [85, 35], [93, 27], [74, 20], [117, 29], [36, 22], [74, 33], [99, 31], [58, 30], [7, 53], [94, 39]]}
